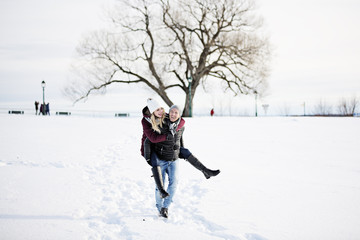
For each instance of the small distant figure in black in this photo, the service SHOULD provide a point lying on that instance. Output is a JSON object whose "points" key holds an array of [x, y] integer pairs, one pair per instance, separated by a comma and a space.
{"points": [[47, 109], [36, 107]]}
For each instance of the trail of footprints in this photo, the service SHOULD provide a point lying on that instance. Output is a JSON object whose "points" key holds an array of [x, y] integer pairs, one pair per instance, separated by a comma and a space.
{"points": [[124, 198]]}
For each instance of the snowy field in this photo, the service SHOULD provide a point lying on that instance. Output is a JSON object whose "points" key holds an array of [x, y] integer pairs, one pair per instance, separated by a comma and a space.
{"points": [[67, 177]]}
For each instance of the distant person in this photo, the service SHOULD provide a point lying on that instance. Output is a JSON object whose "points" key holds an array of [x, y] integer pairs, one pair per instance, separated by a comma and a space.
{"points": [[41, 109], [36, 107], [212, 112], [47, 109]]}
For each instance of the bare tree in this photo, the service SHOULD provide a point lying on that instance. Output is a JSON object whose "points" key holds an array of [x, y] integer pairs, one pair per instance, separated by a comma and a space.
{"points": [[322, 108], [347, 107], [176, 44], [265, 107], [285, 109]]}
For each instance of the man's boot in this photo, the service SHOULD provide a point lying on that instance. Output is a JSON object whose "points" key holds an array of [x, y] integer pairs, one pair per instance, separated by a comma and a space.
{"points": [[198, 165], [159, 181], [164, 212]]}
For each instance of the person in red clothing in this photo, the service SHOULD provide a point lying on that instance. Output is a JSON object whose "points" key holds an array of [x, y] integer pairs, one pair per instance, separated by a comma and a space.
{"points": [[212, 112]]}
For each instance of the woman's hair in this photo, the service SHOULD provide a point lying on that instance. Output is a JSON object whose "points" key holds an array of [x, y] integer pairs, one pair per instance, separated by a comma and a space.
{"points": [[156, 122]]}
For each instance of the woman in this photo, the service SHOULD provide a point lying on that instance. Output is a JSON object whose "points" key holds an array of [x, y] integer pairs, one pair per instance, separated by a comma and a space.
{"points": [[152, 121], [179, 149]]}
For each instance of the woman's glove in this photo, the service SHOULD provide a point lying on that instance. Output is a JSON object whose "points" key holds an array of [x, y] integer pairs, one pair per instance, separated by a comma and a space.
{"points": [[169, 137], [148, 162]]}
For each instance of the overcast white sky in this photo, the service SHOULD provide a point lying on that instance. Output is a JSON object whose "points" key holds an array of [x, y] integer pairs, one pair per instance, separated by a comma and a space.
{"points": [[316, 50]]}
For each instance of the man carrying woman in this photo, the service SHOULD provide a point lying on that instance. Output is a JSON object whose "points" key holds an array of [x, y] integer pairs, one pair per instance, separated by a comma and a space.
{"points": [[161, 146]]}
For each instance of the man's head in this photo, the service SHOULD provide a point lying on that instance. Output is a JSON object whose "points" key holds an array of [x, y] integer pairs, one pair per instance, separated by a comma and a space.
{"points": [[174, 113]]}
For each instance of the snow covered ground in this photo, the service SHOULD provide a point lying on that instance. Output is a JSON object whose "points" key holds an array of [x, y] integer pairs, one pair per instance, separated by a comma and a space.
{"points": [[67, 177]]}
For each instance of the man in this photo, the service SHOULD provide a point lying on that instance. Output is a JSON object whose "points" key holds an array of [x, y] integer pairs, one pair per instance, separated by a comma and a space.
{"points": [[36, 107], [168, 153]]}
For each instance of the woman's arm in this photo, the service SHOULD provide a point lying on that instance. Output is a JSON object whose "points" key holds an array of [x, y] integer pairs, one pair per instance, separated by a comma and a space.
{"points": [[153, 136]]}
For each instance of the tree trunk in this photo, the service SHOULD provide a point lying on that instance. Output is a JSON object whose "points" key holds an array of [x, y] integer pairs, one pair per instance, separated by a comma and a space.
{"points": [[188, 106]]}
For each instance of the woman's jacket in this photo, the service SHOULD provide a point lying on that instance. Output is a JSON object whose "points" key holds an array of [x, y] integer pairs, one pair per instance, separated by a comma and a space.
{"points": [[165, 146]]}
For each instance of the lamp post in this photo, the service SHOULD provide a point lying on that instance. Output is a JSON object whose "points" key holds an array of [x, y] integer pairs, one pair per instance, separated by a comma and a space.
{"points": [[304, 109], [43, 84], [256, 95], [190, 81]]}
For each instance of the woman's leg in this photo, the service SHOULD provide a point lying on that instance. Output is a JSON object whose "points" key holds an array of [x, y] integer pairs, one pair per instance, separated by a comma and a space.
{"points": [[158, 176], [154, 159], [186, 154], [147, 151]]}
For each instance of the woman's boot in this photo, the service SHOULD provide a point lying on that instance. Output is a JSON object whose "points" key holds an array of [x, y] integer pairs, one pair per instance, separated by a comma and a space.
{"points": [[159, 181], [198, 165]]}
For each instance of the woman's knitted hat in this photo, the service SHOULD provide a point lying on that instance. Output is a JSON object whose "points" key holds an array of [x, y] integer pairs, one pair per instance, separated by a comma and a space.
{"points": [[152, 104]]}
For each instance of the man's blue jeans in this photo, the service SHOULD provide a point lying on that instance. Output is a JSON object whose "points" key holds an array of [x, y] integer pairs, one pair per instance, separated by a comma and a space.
{"points": [[169, 168]]}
